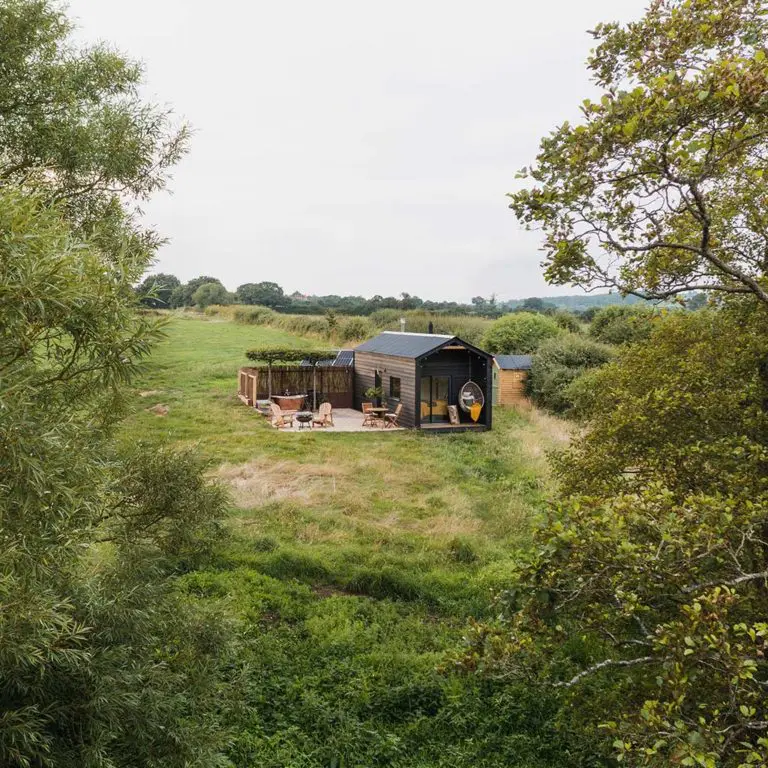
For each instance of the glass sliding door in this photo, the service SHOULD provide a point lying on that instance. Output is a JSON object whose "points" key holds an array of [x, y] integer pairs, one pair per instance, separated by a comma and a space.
{"points": [[435, 397]]}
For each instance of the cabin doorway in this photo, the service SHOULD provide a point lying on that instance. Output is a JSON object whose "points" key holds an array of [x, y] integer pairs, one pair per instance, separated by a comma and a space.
{"points": [[435, 397]]}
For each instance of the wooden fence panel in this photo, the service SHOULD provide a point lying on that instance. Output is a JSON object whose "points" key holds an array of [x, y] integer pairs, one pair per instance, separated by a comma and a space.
{"points": [[331, 383]]}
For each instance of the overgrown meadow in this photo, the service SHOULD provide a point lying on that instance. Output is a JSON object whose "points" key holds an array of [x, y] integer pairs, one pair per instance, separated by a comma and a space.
{"points": [[354, 565]]}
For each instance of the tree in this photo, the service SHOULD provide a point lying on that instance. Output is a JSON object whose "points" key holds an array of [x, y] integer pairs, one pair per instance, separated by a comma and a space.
{"points": [[102, 663], [520, 333], [644, 599], [210, 293], [155, 290], [409, 302], [621, 324], [675, 408], [653, 192], [481, 306], [266, 294], [566, 320], [74, 128], [696, 301], [182, 295], [647, 615], [535, 304]]}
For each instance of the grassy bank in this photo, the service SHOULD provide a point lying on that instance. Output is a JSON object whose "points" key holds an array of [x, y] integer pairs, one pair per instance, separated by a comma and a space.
{"points": [[341, 329], [355, 563]]}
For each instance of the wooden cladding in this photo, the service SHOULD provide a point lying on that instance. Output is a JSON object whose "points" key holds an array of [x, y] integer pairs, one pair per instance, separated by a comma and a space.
{"points": [[512, 387], [403, 368]]}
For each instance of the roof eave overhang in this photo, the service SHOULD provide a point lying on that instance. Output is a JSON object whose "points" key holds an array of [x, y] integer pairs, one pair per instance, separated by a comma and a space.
{"points": [[454, 340]]}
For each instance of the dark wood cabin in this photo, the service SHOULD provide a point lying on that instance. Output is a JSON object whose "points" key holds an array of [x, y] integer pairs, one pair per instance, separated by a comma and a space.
{"points": [[425, 372]]}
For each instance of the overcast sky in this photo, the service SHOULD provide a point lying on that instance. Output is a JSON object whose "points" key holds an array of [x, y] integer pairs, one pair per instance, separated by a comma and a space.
{"points": [[354, 147]]}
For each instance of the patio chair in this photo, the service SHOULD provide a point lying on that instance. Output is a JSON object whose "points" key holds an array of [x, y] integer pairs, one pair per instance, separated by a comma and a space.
{"points": [[280, 419], [324, 416], [370, 418], [391, 420]]}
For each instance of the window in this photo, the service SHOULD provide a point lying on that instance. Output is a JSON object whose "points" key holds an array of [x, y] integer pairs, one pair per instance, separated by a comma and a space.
{"points": [[394, 387]]}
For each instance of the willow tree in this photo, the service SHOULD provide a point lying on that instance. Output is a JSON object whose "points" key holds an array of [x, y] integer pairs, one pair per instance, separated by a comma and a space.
{"points": [[101, 663], [660, 188], [74, 127]]}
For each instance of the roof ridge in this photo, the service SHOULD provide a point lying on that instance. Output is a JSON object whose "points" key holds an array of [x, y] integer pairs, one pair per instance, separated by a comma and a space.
{"points": [[419, 333]]}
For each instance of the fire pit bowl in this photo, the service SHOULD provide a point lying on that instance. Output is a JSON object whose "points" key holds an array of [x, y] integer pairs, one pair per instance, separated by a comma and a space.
{"points": [[305, 419], [289, 402]]}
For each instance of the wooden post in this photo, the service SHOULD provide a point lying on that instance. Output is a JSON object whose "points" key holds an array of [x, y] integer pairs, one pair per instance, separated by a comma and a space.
{"points": [[314, 386]]}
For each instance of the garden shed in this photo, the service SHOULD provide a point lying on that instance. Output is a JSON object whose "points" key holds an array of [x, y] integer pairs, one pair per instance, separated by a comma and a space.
{"points": [[442, 382], [510, 374]]}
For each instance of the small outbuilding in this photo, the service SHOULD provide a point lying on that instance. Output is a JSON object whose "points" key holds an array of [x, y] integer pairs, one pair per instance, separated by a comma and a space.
{"points": [[442, 382], [510, 375]]}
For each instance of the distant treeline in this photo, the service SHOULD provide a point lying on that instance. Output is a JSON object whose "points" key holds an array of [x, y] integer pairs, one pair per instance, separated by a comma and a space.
{"points": [[167, 291]]}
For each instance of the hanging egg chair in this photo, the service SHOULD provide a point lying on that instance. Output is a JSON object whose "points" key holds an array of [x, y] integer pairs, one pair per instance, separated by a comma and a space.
{"points": [[471, 400]]}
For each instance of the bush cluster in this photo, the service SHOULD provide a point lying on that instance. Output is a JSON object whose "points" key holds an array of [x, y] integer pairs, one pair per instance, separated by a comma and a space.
{"points": [[520, 333], [622, 324], [558, 364]]}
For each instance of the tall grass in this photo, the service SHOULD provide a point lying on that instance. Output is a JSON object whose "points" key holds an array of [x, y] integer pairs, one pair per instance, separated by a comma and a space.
{"points": [[351, 329], [471, 329], [354, 563]]}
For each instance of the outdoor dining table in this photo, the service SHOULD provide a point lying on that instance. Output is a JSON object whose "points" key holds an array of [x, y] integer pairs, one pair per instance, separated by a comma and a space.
{"points": [[378, 412]]}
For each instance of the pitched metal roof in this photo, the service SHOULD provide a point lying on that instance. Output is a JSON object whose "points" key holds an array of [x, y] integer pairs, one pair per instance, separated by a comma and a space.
{"points": [[514, 362], [403, 344]]}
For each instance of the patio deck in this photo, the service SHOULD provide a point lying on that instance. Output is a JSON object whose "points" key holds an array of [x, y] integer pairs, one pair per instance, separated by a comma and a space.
{"points": [[446, 427], [345, 420]]}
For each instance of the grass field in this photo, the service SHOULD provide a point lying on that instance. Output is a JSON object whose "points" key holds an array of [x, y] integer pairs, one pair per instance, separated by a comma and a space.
{"points": [[355, 563]]}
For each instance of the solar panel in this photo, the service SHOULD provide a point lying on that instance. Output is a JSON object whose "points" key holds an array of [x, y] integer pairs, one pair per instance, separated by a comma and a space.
{"points": [[346, 357]]}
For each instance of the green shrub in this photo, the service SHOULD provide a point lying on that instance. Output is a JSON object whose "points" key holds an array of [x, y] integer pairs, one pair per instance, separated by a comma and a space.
{"points": [[253, 315], [354, 329], [622, 324], [462, 551], [567, 320], [520, 333], [582, 392], [558, 363]]}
